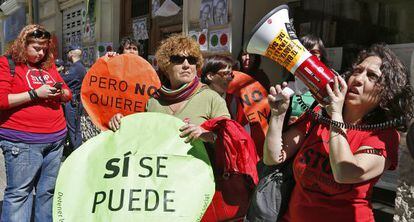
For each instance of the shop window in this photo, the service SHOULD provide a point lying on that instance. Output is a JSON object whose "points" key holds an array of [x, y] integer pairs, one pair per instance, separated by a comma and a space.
{"points": [[354, 24]]}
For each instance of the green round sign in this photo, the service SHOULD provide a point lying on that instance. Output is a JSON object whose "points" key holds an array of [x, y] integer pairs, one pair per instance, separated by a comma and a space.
{"points": [[142, 172], [214, 40]]}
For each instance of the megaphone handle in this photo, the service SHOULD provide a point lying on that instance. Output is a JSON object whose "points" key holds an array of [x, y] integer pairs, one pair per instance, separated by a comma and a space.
{"points": [[286, 90]]}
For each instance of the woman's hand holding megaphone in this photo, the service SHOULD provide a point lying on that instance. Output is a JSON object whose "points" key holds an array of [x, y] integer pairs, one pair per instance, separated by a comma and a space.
{"points": [[278, 99], [336, 98]]}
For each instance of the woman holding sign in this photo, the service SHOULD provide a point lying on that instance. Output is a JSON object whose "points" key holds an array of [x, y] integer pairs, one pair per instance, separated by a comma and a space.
{"points": [[32, 124], [336, 167], [181, 94]]}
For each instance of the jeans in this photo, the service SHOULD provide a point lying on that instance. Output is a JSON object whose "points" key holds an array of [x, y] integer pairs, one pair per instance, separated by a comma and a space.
{"points": [[30, 166], [73, 116]]}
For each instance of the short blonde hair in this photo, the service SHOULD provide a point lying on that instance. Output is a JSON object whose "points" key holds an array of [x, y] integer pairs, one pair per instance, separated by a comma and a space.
{"points": [[174, 45]]}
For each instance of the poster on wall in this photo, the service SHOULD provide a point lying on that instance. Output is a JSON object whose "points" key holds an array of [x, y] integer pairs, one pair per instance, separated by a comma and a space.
{"points": [[206, 13], [155, 5], [219, 40], [201, 38], [92, 55], [88, 22], [139, 27], [220, 12], [13, 24], [85, 56]]}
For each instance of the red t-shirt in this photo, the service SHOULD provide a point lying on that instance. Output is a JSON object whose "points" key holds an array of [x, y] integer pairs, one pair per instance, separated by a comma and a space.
{"points": [[44, 116], [316, 196]]}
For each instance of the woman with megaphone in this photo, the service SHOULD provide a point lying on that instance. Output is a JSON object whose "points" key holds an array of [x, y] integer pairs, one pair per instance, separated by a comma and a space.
{"points": [[341, 152]]}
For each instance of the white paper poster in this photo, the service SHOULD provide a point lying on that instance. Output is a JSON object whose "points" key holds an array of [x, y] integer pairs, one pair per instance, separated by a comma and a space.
{"points": [[206, 13], [201, 38], [220, 12], [219, 40], [139, 28], [168, 8]]}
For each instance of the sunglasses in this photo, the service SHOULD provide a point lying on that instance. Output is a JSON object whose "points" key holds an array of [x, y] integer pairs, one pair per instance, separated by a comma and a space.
{"points": [[226, 74], [177, 59], [39, 34]]}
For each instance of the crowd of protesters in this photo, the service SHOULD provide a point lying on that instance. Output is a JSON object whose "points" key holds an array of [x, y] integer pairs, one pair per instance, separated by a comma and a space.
{"points": [[335, 166]]}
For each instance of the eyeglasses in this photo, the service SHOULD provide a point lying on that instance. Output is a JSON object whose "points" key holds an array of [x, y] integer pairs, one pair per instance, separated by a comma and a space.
{"points": [[177, 59], [226, 74], [39, 34]]}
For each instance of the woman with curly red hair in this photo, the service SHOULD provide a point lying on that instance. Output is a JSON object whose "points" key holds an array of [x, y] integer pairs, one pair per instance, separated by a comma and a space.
{"points": [[32, 124]]}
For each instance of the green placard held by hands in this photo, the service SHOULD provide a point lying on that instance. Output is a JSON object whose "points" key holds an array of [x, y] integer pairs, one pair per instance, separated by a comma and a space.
{"points": [[142, 172]]}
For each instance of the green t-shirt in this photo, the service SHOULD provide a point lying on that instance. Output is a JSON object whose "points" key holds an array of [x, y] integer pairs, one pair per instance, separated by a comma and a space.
{"points": [[203, 105], [296, 108]]}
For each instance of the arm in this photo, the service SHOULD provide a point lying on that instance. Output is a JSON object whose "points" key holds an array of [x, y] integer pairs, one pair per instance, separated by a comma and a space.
{"points": [[278, 147], [43, 92], [347, 167]]}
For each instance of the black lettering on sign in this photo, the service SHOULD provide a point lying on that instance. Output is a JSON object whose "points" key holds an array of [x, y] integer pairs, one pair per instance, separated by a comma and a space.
{"points": [[257, 96], [137, 200], [126, 164], [149, 168], [166, 200], [121, 200], [94, 98], [110, 166], [159, 166], [93, 79], [143, 89], [132, 199], [96, 200], [147, 198]]}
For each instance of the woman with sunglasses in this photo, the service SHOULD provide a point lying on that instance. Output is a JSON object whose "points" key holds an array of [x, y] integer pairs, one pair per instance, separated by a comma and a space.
{"points": [[32, 125], [336, 168], [181, 94], [217, 73]]}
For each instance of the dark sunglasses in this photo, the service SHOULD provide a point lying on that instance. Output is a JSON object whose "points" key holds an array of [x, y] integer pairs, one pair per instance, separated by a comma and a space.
{"points": [[39, 34], [177, 59]]}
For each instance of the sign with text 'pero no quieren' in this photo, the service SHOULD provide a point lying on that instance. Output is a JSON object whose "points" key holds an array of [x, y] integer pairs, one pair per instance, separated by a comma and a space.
{"points": [[142, 172], [121, 84]]}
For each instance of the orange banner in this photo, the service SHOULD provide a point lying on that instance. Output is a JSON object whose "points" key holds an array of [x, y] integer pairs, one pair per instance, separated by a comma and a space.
{"points": [[247, 102], [121, 84]]}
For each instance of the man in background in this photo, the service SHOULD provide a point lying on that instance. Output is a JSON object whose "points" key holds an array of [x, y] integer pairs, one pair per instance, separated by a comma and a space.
{"points": [[73, 109]]}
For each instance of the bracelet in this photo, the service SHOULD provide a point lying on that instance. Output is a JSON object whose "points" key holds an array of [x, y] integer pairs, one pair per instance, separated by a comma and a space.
{"points": [[33, 95]]}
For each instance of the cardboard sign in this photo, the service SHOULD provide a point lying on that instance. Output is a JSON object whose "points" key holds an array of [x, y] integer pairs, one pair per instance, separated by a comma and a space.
{"points": [[142, 172], [251, 105], [122, 84]]}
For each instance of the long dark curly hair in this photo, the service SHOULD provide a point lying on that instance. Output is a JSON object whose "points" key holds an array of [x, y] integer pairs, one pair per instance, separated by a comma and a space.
{"points": [[396, 93], [18, 49]]}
